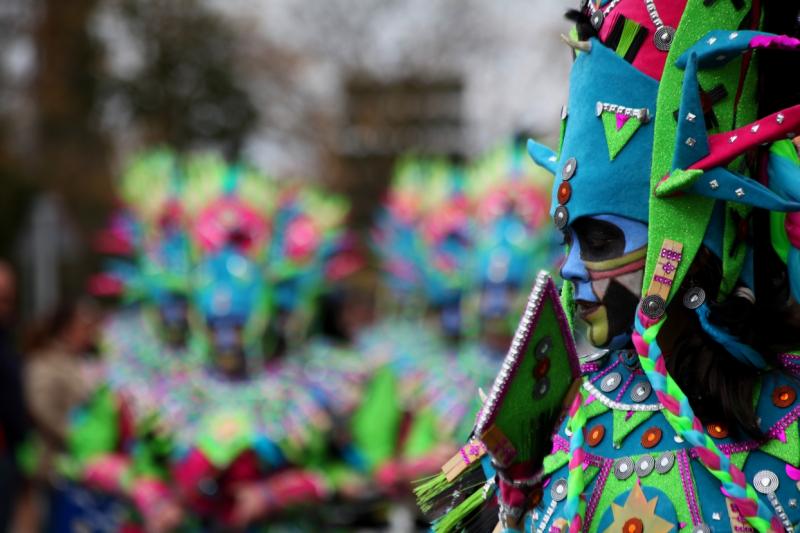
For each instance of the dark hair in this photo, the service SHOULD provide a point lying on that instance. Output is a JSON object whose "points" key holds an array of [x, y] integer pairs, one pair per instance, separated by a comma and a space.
{"points": [[719, 387]]}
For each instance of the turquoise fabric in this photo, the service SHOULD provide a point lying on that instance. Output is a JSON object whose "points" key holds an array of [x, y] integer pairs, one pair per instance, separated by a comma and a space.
{"points": [[621, 85]]}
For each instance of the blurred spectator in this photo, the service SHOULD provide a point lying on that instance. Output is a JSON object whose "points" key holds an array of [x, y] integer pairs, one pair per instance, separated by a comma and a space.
{"points": [[12, 412], [56, 381]]}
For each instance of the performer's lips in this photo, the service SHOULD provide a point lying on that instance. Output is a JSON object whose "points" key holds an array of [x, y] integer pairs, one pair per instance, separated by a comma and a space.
{"points": [[586, 308]]}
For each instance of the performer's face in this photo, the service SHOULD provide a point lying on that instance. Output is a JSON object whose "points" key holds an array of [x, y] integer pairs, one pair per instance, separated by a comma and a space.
{"points": [[605, 263]]}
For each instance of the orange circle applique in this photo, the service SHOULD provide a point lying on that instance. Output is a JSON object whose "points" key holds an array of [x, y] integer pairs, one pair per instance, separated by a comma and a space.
{"points": [[783, 396], [718, 431], [542, 367], [564, 192], [595, 435], [651, 437], [633, 525]]}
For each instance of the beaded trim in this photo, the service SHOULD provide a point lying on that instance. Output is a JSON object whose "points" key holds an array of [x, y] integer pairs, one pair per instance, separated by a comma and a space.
{"points": [[688, 486], [599, 486], [640, 113], [618, 406], [605, 371], [625, 386]]}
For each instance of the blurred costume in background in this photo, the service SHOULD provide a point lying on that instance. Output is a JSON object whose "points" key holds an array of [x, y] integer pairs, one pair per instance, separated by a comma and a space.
{"points": [[453, 243], [677, 191]]}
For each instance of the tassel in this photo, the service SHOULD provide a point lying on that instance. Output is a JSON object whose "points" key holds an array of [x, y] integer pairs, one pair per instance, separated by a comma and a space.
{"points": [[452, 520]]}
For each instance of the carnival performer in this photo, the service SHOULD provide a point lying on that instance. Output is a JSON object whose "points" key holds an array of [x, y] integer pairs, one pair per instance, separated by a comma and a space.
{"points": [[677, 193]]}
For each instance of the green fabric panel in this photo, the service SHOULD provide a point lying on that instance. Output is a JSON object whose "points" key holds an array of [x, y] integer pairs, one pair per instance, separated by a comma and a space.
{"points": [[561, 131], [789, 451], [376, 423], [622, 428], [616, 139], [423, 435], [685, 218], [94, 428], [555, 461], [678, 180], [519, 411], [629, 31]]}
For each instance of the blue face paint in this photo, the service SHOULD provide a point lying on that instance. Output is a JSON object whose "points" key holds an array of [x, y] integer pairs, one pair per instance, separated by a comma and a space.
{"points": [[605, 264]]}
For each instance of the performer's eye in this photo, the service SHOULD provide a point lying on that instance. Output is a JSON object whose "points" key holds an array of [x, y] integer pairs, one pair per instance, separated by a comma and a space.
{"points": [[599, 240]]}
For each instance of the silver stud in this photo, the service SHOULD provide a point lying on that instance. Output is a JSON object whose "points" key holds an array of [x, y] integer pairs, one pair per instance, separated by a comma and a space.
{"points": [[739, 192], [780, 118], [714, 184], [715, 516], [732, 138], [623, 468], [765, 482], [664, 462], [690, 142], [793, 503], [691, 117], [678, 439], [559, 490], [733, 35], [712, 40], [641, 391], [701, 528], [755, 128], [644, 465], [563, 112], [611, 382]]}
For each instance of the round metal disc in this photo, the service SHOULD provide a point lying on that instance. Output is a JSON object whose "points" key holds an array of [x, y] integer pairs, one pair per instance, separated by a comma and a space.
{"points": [[663, 38], [641, 391], [561, 217], [541, 387], [559, 490], [623, 468], [543, 347], [610, 382], [569, 168], [597, 19], [694, 298], [665, 462], [701, 528], [765, 482], [653, 306], [644, 465]]}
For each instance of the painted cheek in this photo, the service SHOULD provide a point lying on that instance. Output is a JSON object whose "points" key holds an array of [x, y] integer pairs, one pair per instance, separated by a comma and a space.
{"points": [[574, 270]]}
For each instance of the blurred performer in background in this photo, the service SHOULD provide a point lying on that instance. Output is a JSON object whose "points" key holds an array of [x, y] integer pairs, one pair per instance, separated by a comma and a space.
{"points": [[677, 191]]}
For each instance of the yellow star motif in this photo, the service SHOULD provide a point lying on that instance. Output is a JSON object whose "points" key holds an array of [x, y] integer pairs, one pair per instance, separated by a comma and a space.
{"points": [[638, 515]]}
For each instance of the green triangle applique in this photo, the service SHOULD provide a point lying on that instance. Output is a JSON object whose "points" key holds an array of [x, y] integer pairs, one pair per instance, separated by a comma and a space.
{"points": [[738, 459], [789, 451], [618, 138], [623, 428]]}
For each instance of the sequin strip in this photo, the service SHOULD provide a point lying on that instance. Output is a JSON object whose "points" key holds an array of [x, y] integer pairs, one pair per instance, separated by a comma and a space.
{"points": [[688, 487], [617, 406], [608, 369], [672, 255], [662, 279], [590, 368], [624, 387], [547, 516], [599, 485]]}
